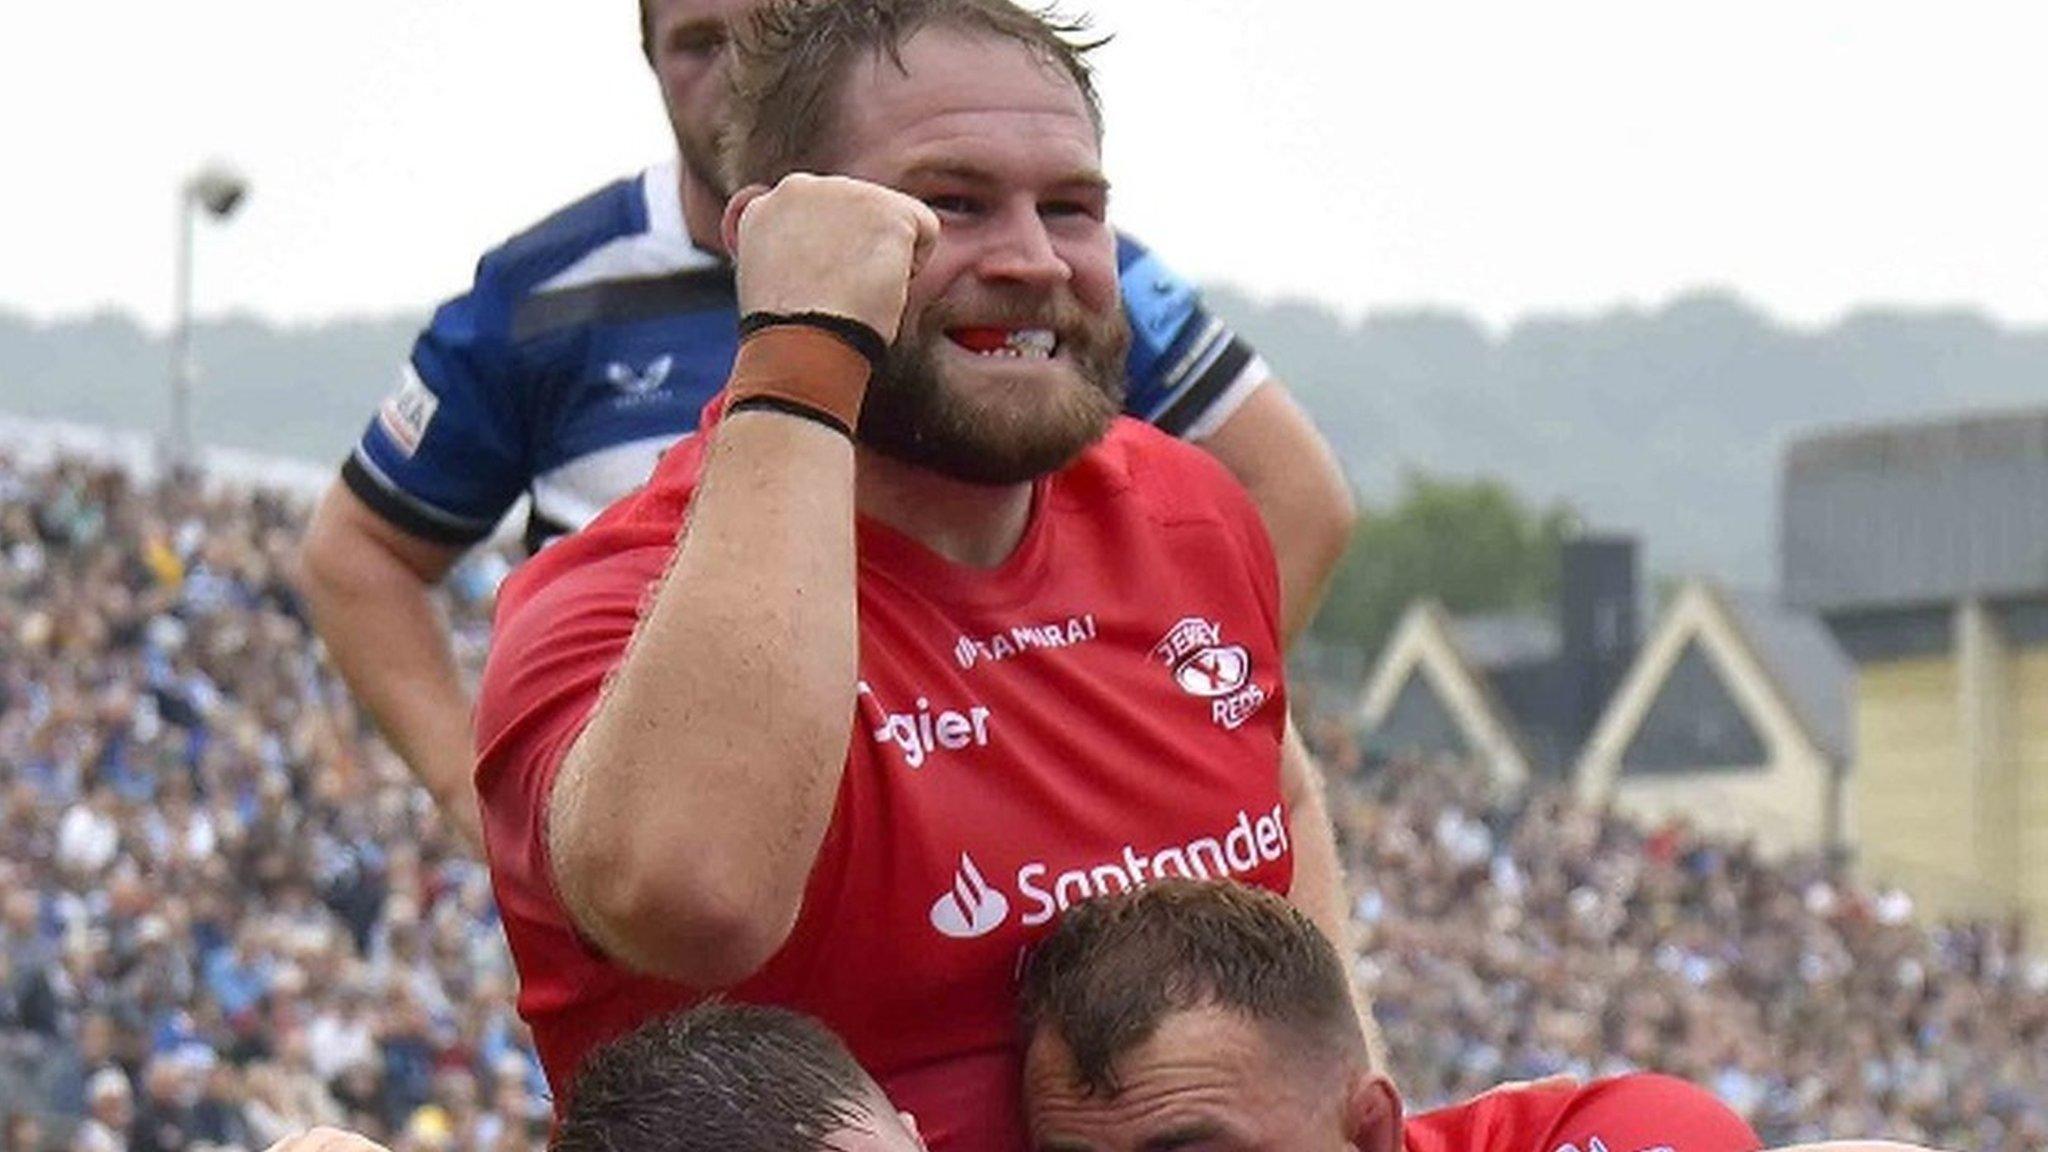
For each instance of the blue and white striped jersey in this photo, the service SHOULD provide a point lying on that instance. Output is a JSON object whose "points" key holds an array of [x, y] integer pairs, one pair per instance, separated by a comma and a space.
{"points": [[590, 342]]}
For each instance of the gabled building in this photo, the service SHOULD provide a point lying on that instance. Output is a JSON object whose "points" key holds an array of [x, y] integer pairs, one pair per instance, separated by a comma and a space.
{"points": [[1734, 717], [1429, 696], [1517, 692], [1924, 547]]}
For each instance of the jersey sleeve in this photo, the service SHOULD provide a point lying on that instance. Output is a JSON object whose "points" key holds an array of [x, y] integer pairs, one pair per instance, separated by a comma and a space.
{"points": [[444, 456], [1647, 1112], [1188, 371], [550, 654]]}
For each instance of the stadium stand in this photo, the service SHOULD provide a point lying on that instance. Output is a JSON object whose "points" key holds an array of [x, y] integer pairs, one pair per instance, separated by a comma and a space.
{"points": [[226, 914], [1519, 940]]}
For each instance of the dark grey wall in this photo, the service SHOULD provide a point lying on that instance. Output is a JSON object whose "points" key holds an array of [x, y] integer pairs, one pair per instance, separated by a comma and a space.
{"points": [[1917, 514]]}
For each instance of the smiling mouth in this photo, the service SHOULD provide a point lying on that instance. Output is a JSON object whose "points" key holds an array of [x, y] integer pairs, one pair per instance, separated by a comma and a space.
{"points": [[1006, 343]]}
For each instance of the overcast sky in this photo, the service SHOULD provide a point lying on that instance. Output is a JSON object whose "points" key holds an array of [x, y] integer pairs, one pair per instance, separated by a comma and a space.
{"points": [[1502, 158]]}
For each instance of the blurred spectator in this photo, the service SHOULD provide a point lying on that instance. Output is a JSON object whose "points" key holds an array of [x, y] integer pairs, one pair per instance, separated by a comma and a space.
{"points": [[217, 1117], [23, 1132], [110, 1111], [163, 1117]]}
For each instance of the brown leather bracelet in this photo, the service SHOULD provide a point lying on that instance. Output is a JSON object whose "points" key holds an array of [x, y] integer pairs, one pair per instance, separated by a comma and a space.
{"points": [[864, 339], [806, 366]]}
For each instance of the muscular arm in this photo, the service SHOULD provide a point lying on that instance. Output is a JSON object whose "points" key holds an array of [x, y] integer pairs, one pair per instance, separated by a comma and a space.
{"points": [[684, 820], [1271, 447], [366, 583]]}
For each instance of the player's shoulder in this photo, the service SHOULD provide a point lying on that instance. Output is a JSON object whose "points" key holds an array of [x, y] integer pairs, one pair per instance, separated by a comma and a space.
{"points": [[1130, 251], [1645, 1089], [630, 228], [544, 249], [1152, 292], [1506, 1119], [1639, 1110]]}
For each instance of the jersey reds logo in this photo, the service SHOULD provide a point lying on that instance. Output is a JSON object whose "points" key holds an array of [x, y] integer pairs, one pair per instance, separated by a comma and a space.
{"points": [[970, 908], [1212, 672], [1203, 665]]}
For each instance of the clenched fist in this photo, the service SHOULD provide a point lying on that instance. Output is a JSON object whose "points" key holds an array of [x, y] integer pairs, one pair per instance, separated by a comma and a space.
{"points": [[828, 244]]}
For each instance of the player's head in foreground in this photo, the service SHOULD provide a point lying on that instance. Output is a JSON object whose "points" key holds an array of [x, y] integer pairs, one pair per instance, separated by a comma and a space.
{"points": [[1010, 357], [1192, 1014], [730, 1078]]}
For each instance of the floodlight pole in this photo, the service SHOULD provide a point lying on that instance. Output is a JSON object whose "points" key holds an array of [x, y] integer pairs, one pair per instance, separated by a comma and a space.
{"points": [[217, 191], [181, 454]]}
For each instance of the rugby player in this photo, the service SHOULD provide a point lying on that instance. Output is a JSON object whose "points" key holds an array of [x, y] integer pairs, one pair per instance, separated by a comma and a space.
{"points": [[588, 345], [731, 1078], [1214, 1016], [698, 719]]}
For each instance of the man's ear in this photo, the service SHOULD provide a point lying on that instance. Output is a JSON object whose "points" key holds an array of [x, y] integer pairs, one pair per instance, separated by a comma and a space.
{"points": [[729, 224], [1372, 1113]]}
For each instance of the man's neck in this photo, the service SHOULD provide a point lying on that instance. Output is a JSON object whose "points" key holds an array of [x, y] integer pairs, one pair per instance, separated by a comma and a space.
{"points": [[971, 524], [703, 210]]}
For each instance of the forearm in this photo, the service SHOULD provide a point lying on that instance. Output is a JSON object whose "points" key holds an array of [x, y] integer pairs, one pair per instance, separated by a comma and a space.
{"points": [[1307, 546], [373, 611], [392, 650], [1318, 889], [687, 815], [1294, 479]]}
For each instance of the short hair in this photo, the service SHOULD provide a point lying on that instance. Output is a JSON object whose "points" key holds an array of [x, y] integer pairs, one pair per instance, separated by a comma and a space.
{"points": [[1115, 967], [721, 1076], [791, 57]]}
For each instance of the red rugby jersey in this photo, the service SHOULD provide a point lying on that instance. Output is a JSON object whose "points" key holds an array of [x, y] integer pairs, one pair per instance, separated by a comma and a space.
{"points": [[1103, 708], [1642, 1112]]}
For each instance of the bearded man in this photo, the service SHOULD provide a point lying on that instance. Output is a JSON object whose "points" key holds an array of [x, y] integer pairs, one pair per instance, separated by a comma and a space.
{"points": [[922, 643]]}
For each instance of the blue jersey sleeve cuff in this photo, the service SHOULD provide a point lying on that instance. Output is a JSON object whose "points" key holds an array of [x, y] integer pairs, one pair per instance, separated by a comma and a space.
{"points": [[404, 513]]}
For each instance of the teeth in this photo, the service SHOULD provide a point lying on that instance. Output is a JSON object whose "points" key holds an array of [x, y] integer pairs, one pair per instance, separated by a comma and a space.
{"points": [[1026, 344], [1035, 340]]}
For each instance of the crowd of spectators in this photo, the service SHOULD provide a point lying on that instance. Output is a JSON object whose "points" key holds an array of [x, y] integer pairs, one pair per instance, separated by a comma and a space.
{"points": [[225, 913], [1511, 938]]}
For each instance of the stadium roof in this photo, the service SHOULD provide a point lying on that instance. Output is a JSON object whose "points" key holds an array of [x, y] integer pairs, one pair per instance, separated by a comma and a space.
{"points": [[1805, 663], [1917, 514]]}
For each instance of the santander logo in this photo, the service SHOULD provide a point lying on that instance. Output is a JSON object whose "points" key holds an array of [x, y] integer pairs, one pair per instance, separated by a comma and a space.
{"points": [[973, 907], [970, 908]]}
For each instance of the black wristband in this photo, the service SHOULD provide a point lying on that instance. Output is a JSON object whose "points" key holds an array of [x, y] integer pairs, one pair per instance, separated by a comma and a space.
{"points": [[768, 403], [853, 333]]}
